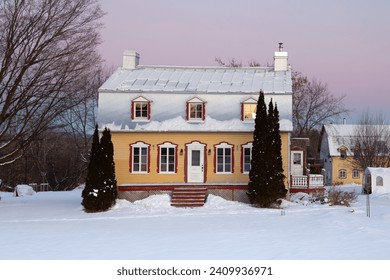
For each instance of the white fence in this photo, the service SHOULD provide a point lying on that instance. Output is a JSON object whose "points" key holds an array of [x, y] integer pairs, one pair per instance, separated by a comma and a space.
{"points": [[43, 187], [312, 181]]}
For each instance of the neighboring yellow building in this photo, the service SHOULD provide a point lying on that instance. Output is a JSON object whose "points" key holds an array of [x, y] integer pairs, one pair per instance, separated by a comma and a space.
{"points": [[190, 127], [336, 151]]}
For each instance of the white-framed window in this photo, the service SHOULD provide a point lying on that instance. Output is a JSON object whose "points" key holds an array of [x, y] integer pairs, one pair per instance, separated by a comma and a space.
{"points": [[224, 158], [139, 158], [167, 158], [196, 110], [246, 157], [140, 109], [342, 174], [248, 109]]}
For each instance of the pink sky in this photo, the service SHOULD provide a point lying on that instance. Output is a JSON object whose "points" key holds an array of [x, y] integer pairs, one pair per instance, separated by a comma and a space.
{"points": [[342, 43]]}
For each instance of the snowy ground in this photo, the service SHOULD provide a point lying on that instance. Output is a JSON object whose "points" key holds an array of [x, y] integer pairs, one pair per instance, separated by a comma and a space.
{"points": [[52, 225]]}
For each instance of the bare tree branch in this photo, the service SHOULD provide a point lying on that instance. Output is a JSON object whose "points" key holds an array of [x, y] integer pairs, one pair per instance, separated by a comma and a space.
{"points": [[371, 143], [47, 48], [313, 105]]}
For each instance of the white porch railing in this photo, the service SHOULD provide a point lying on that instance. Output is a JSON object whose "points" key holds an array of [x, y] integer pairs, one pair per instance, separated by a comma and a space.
{"points": [[312, 181]]}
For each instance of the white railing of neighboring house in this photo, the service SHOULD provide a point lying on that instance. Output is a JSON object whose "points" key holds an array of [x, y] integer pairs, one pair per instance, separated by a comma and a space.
{"points": [[316, 181], [312, 181]]}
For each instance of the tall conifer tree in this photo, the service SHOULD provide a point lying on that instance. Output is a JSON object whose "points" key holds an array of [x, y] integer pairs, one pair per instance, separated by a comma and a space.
{"points": [[93, 173], [257, 174], [266, 177], [279, 189], [108, 168], [100, 191]]}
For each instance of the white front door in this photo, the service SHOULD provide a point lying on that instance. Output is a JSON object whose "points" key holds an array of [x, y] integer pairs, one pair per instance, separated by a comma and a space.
{"points": [[296, 162], [195, 162]]}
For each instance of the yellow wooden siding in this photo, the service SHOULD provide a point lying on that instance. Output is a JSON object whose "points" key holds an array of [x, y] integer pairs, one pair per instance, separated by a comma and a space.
{"points": [[347, 164], [122, 141]]}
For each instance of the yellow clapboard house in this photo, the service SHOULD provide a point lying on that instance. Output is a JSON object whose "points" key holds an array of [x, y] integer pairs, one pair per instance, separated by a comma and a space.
{"points": [[189, 127]]}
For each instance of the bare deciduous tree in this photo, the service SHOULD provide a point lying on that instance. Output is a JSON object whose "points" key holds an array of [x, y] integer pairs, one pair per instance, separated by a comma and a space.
{"points": [[47, 48], [313, 105], [234, 63], [371, 143], [80, 120]]}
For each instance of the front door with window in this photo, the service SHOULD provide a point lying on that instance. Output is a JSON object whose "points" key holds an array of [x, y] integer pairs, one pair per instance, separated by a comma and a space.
{"points": [[195, 162], [296, 162]]}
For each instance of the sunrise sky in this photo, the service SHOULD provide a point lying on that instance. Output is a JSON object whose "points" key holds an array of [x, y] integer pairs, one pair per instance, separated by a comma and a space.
{"points": [[344, 43]]}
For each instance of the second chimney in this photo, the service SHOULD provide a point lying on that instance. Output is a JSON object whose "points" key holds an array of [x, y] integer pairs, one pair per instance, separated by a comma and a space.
{"points": [[130, 60], [280, 59]]}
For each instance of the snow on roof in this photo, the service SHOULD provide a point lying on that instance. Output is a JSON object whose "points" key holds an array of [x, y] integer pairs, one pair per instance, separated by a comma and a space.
{"points": [[199, 79], [340, 135], [210, 124]]}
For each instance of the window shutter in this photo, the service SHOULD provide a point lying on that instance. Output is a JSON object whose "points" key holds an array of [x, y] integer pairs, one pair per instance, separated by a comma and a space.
{"points": [[132, 110], [187, 113], [148, 110], [148, 159], [158, 159], [242, 159], [131, 159], [204, 111], [215, 160], [232, 159]]}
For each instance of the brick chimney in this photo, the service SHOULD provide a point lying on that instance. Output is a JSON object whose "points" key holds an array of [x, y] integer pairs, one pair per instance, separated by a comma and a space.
{"points": [[130, 59], [280, 59]]}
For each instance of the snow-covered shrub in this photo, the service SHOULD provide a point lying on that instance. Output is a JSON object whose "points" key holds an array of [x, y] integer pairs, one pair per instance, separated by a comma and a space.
{"points": [[340, 197]]}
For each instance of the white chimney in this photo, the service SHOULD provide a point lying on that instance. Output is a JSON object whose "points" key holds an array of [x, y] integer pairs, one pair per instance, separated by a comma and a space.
{"points": [[130, 59], [280, 59]]}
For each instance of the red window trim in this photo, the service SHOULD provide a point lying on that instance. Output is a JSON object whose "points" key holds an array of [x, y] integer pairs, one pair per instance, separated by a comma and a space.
{"points": [[131, 158], [158, 157], [242, 156], [203, 111], [215, 158], [133, 108]]}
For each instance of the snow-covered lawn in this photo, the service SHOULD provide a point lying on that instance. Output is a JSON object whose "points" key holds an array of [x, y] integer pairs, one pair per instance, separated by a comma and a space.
{"points": [[52, 225]]}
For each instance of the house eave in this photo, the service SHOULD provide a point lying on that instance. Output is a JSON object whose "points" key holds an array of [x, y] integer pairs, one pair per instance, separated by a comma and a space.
{"points": [[107, 90]]}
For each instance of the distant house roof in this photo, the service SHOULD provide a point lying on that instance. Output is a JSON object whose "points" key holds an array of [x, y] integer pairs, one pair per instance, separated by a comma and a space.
{"points": [[339, 136], [200, 80]]}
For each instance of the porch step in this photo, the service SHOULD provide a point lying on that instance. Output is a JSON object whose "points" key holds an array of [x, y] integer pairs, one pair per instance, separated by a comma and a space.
{"points": [[188, 197]]}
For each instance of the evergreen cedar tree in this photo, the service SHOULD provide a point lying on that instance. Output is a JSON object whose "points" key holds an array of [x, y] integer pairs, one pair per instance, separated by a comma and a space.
{"points": [[266, 178], [100, 190]]}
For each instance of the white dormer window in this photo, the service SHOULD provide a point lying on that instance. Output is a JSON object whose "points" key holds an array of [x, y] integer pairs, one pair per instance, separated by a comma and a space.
{"points": [[248, 109], [196, 110], [140, 109]]}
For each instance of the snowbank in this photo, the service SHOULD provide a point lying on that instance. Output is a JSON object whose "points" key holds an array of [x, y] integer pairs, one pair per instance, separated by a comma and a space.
{"points": [[23, 190]]}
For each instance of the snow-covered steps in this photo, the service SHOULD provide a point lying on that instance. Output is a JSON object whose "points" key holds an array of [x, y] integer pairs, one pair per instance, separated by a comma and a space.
{"points": [[188, 196]]}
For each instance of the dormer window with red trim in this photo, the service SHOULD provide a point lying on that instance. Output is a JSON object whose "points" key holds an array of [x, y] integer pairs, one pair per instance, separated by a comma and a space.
{"points": [[195, 110], [248, 109], [140, 109]]}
